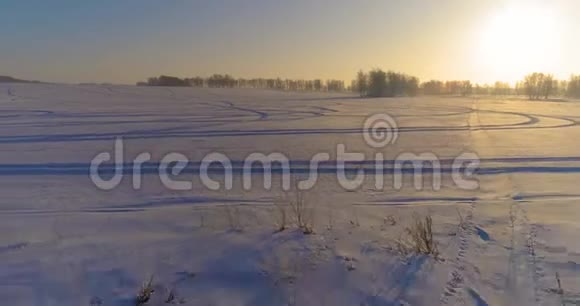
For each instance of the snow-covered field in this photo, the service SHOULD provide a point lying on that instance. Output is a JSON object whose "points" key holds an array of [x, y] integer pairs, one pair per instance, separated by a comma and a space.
{"points": [[63, 241]]}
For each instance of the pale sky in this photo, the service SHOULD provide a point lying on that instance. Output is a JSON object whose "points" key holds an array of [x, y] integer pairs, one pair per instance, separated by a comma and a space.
{"points": [[130, 40]]}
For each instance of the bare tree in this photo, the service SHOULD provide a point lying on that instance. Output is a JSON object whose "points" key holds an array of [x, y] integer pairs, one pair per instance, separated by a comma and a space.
{"points": [[533, 84], [501, 88], [361, 83], [538, 85], [574, 86], [377, 83], [466, 88], [549, 85], [433, 87]]}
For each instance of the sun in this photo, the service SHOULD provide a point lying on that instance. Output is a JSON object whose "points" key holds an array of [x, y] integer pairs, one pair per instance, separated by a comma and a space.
{"points": [[518, 40]]}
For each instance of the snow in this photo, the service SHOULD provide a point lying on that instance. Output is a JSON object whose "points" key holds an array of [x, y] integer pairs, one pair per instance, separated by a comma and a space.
{"points": [[65, 242]]}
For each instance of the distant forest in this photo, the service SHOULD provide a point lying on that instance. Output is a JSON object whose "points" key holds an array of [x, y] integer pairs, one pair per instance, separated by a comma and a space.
{"points": [[227, 81], [9, 79], [378, 83]]}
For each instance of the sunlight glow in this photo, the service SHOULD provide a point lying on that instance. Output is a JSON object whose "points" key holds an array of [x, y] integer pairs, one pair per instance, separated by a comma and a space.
{"points": [[518, 40]]}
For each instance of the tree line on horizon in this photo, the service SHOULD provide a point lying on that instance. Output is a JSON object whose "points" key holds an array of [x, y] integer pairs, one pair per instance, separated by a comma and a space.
{"points": [[535, 86], [227, 81], [378, 83]]}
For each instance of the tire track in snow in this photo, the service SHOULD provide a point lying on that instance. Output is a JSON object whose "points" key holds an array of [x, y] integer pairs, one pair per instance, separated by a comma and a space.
{"points": [[231, 105], [531, 122]]}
